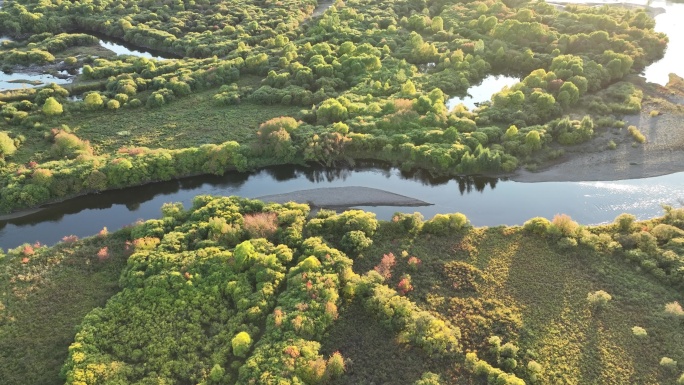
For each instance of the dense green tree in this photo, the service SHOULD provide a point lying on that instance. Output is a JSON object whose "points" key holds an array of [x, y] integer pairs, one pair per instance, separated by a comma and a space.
{"points": [[93, 100], [7, 147], [52, 107]]}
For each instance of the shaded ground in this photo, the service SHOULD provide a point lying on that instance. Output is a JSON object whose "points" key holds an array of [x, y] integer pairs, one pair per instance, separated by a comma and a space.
{"points": [[373, 354]]}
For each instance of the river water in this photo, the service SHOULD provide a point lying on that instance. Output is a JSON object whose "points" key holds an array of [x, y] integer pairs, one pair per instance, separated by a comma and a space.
{"points": [[668, 23], [486, 201]]}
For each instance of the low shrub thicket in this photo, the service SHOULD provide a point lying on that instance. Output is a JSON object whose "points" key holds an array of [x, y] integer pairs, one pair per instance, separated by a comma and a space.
{"points": [[442, 224], [437, 337]]}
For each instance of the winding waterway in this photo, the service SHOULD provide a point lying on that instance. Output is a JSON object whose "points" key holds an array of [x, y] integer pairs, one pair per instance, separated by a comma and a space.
{"points": [[486, 201]]}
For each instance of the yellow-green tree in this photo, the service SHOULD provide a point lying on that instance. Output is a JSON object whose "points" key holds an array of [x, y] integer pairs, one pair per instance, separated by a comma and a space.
{"points": [[52, 107], [7, 146]]}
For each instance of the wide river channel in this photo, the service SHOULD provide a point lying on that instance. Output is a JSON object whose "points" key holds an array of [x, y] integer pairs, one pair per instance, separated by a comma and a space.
{"points": [[486, 201]]}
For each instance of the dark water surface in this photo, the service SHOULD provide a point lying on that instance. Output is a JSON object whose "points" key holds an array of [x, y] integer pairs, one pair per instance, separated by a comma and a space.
{"points": [[486, 201]]}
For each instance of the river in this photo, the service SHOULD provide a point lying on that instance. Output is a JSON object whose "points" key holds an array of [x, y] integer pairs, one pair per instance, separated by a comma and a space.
{"points": [[486, 201]]}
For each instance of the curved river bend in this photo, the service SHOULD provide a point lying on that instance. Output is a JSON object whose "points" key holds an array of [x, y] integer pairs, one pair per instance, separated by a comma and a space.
{"points": [[486, 201]]}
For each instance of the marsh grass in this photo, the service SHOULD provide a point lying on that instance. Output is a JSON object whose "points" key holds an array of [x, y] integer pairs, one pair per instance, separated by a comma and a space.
{"points": [[535, 295], [45, 299], [373, 354], [185, 122]]}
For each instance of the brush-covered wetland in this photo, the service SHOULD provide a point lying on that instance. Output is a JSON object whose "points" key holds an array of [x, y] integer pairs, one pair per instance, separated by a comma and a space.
{"points": [[107, 99]]}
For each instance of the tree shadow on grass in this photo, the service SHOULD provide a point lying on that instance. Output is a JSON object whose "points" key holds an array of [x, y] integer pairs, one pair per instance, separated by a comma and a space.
{"points": [[374, 355]]}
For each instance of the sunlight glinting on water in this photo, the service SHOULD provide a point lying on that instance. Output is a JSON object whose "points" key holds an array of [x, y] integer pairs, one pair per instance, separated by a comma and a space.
{"points": [[643, 198], [613, 187]]}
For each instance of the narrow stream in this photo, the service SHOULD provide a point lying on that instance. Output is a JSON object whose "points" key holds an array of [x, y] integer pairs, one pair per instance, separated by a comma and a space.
{"points": [[121, 47], [322, 6]]}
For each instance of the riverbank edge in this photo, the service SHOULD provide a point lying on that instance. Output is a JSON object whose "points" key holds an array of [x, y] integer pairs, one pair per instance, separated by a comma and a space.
{"points": [[24, 212], [556, 172], [661, 121]]}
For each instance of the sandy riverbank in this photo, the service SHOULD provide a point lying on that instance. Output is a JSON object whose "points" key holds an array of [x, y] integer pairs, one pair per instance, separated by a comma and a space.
{"points": [[342, 197]]}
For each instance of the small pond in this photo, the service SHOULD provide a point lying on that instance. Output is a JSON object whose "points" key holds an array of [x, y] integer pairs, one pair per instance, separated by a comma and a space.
{"points": [[482, 92], [486, 201], [19, 80]]}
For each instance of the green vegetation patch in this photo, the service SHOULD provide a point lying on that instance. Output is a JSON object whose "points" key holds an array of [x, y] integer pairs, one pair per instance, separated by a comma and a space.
{"points": [[189, 122], [45, 293], [237, 291]]}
